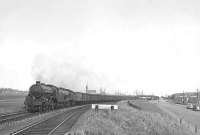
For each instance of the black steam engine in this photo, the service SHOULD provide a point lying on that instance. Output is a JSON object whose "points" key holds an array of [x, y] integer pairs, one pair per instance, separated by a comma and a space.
{"points": [[43, 97]]}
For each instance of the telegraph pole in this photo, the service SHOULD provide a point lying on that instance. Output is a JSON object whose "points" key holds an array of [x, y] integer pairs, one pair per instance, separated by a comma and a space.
{"points": [[86, 88], [198, 96], [136, 92], [183, 97]]}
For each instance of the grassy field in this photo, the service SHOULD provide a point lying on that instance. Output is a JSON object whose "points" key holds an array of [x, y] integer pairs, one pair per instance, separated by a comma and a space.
{"points": [[128, 121], [11, 104]]}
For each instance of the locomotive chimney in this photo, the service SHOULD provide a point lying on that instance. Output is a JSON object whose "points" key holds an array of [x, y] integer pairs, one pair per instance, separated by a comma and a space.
{"points": [[37, 82]]}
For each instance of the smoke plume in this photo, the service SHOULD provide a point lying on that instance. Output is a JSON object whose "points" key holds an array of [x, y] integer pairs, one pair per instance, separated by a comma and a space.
{"points": [[65, 73]]}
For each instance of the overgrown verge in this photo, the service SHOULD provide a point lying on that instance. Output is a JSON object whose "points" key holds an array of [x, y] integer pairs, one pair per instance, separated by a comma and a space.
{"points": [[127, 121]]}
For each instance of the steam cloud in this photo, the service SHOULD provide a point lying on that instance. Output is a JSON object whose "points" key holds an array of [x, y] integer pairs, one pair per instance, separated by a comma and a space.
{"points": [[65, 73]]}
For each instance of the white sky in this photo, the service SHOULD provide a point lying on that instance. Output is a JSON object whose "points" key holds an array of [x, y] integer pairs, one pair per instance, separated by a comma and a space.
{"points": [[149, 45]]}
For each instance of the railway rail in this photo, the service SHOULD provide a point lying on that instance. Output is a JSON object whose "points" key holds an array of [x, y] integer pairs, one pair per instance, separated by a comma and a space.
{"points": [[56, 125], [11, 113], [14, 116]]}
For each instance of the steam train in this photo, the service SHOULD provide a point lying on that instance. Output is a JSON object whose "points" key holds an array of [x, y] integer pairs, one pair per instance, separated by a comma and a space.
{"points": [[44, 97]]}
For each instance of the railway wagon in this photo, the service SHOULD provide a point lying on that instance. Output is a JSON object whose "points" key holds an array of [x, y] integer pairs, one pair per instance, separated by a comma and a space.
{"points": [[84, 98], [94, 98]]}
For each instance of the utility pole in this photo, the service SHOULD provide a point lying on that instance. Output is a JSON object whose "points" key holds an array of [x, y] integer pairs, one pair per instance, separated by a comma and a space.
{"points": [[86, 88], [197, 96], [183, 97]]}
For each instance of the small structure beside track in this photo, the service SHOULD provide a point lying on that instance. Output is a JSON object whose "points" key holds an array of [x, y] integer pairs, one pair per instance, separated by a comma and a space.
{"points": [[104, 106]]}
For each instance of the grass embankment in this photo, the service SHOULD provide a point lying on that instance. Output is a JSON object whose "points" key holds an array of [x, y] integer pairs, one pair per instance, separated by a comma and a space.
{"points": [[127, 121], [149, 106]]}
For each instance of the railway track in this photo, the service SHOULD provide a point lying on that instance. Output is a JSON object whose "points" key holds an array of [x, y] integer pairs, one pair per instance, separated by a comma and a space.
{"points": [[14, 116], [10, 113], [56, 125]]}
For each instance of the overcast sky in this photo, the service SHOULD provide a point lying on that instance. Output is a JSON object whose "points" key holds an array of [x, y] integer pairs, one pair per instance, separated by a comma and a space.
{"points": [[120, 45]]}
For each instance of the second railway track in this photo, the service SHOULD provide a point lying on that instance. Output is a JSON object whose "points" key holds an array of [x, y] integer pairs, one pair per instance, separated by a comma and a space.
{"points": [[56, 125], [14, 116]]}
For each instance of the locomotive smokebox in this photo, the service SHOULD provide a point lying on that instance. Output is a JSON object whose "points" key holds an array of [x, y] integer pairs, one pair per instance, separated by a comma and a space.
{"points": [[37, 82]]}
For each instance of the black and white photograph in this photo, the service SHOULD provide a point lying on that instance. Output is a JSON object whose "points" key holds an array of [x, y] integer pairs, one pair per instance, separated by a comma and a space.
{"points": [[99, 67]]}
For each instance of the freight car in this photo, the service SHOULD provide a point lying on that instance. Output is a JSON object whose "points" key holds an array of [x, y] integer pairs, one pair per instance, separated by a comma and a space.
{"points": [[44, 97]]}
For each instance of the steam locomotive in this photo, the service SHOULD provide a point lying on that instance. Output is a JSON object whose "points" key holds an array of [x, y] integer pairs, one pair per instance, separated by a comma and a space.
{"points": [[44, 97]]}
